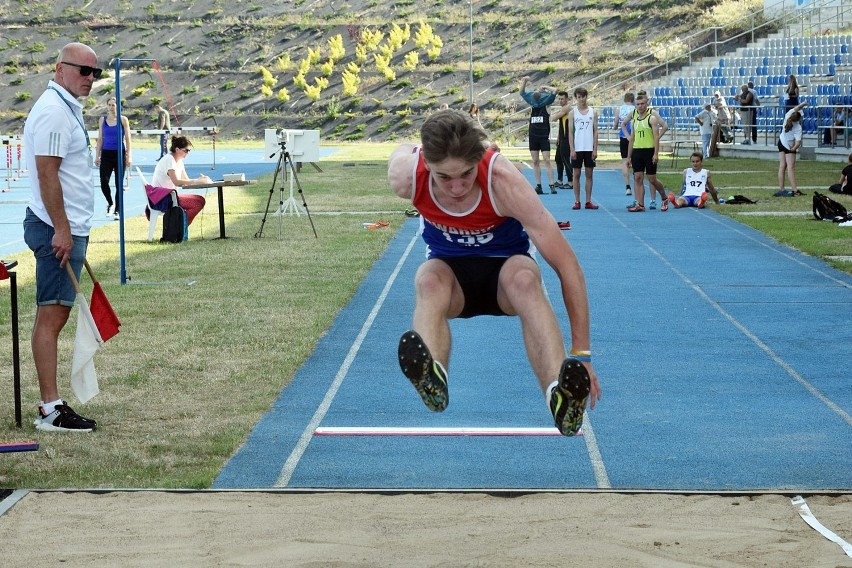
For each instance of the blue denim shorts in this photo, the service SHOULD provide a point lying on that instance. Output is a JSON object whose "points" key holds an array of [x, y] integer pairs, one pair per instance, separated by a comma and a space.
{"points": [[52, 283]]}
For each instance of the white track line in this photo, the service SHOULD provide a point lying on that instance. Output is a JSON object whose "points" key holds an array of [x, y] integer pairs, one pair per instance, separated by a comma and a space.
{"points": [[776, 249], [595, 456], [743, 329], [293, 460], [598, 466]]}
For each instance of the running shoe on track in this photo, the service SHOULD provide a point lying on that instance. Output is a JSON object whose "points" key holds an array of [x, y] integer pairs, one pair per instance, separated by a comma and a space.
{"points": [[568, 398], [426, 374]]}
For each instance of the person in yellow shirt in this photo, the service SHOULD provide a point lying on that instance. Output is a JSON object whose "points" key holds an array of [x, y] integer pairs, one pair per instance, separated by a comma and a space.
{"points": [[643, 152]]}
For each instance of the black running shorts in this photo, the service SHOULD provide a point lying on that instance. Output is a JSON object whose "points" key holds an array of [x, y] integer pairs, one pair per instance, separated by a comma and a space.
{"points": [[643, 161], [478, 277], [623, 143], [539, 143], [584, 158]]}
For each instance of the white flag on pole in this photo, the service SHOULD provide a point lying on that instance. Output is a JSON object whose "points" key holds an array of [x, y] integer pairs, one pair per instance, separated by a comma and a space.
{"points": [[84, 379]]}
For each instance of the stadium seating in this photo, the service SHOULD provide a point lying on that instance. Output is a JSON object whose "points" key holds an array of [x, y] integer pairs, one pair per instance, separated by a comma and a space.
{"points": [[822, 65]]}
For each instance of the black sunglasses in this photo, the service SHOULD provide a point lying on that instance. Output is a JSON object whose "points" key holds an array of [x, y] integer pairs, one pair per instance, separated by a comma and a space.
{"points": [[85, 70], [187, 149]]}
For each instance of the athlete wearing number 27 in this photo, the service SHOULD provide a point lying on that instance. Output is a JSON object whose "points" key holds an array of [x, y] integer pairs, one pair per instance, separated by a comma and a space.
{"points": [[480, 223]]}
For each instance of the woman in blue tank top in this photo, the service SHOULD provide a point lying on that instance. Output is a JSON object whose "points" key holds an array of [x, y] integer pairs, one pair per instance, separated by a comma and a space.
{"points": [[106, 157]]}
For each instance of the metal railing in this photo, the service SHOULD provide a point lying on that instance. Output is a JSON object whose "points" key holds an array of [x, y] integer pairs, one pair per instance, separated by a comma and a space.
{"points": [[792, 23], [683, 126]]}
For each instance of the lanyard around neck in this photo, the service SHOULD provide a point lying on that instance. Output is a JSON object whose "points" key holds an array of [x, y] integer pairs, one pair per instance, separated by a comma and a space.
{"points": [[80, 122]]}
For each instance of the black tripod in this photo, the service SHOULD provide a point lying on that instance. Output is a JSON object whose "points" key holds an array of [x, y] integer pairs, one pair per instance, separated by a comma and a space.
{"points": [[285, 160]]}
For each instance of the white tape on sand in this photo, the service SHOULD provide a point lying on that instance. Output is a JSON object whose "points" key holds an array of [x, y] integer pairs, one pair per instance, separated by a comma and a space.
{"points": [[805, 513]]}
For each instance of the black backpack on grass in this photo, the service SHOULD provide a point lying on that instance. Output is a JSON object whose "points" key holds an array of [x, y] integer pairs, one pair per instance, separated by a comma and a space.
{"points": [[827, 209], [174, 225]]}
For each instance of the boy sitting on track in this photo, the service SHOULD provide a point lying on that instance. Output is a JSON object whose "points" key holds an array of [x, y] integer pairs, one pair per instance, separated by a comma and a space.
{"points": [[696, 184]]}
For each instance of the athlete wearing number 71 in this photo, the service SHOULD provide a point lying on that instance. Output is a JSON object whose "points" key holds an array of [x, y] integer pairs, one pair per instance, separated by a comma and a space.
{"points": [[480, 220]]}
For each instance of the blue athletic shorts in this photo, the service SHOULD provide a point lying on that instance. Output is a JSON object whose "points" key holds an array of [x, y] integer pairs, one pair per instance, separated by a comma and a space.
{"points": [[52, 283], [692, 200]]}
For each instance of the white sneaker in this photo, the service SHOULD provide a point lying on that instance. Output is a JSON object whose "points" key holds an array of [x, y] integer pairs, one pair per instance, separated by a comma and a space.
{"points": [[845, 224]]}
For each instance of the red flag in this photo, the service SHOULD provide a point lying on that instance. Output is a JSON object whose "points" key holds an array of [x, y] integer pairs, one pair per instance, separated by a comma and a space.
{"points": [[105, 317]]}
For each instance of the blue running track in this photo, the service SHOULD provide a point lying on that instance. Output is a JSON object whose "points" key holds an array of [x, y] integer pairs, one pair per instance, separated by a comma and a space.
{"points": [[723, 358]]}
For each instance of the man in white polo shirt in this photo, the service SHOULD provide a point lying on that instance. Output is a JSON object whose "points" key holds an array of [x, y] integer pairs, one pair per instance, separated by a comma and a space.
{"points": [[58, 154]]}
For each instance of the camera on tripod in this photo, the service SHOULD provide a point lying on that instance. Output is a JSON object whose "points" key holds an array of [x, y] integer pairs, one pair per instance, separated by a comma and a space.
{"points": [[304, 145]]}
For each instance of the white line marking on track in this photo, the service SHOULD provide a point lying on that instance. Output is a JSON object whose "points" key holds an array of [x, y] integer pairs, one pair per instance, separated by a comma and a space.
{"points": [[743, 329], [293, 459], [595, 456], [598, 466], [717, 219]]}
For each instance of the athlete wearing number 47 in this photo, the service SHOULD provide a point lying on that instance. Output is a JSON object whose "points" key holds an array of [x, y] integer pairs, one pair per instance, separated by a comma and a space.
{"points": [[696, 184], [479, 220]]}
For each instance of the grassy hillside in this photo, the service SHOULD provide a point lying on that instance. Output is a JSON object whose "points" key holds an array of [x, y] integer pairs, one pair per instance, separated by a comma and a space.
{"points": [[209, 56]]}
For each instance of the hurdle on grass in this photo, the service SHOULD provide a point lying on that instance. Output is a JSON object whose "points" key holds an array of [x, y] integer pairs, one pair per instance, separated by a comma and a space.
{"points": [[8, 141]]}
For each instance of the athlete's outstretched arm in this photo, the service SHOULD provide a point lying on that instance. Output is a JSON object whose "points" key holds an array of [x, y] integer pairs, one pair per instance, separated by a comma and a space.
{"points": [[401, 170]]}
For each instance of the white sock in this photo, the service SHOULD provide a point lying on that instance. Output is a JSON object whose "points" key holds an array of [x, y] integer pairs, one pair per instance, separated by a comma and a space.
{"points": [[549, 390], [49, 407]]}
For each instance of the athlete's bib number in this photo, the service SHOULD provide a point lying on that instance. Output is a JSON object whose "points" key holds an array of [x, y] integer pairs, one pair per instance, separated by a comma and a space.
{"points": [[536, 119], [470, 240]]}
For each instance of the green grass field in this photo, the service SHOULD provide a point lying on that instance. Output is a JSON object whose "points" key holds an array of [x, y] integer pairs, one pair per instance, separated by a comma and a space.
{"points": [[213, 330]]}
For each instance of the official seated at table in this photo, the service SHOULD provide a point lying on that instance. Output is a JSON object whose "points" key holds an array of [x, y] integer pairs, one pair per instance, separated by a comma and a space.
{"points": [[171, 174]]}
